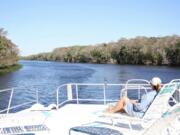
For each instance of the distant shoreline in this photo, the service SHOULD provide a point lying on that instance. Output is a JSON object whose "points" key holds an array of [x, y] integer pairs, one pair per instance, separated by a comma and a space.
{"points": [[136, 51], [8, 69], [102, 63]]}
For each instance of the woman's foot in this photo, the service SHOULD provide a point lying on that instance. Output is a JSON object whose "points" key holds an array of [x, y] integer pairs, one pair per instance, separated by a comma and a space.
{"points": [[110, 109]]}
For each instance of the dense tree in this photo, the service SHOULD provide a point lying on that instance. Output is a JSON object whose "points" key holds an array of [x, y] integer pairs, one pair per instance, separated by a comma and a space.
{"points": [[173, 54], [8, 50], [139, 50]]}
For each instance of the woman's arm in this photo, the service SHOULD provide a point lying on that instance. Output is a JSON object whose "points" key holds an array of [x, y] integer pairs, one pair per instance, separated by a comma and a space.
{"points": [[135, 102]]}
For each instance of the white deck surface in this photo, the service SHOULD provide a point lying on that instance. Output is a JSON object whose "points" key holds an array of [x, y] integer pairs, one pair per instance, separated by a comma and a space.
{"points": [[60, 121], [71, 115]]}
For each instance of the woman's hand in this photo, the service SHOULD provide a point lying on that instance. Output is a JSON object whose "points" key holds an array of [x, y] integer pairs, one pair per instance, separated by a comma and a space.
{"points": [[135, 102]]}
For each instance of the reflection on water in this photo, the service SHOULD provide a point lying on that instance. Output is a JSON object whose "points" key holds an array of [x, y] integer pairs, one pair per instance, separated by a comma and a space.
{"points": [[48, 75]]}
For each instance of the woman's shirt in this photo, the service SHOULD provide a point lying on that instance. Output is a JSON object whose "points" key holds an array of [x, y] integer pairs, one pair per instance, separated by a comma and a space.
{"points": [[139, 109], [146, 100]]}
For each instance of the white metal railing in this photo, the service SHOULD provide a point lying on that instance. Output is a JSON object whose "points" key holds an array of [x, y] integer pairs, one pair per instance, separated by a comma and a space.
{"points": [[74, 87], [12, 90]]}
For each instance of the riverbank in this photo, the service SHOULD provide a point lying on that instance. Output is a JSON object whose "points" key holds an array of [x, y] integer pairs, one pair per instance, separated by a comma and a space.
{"points": [[8, 69], [134, 51]]}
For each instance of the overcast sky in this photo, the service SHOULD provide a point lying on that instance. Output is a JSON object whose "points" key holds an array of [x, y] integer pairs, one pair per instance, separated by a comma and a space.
{"points": [[42, 25]]}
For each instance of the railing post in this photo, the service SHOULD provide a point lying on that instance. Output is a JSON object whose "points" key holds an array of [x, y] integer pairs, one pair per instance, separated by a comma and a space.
{"points": [[9, 104], [57, 97], [139, 92], [104, 89], [37, 96], [77, 94], [69, 91], [179, 96]]}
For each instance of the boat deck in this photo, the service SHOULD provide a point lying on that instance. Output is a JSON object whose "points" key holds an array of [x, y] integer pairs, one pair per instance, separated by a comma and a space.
{"points": [[72, 115], [50, 121], [67, 119], [59, 122]]}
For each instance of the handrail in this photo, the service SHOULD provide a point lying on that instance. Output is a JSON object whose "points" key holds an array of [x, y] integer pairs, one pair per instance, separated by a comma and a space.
{"points": [[101, 84], [16, 106], [90, 99], [129, 85], [12, 90], [137, 80], [139, 86]]}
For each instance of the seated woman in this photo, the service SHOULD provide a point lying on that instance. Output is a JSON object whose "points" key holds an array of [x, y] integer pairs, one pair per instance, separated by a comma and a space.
{"points": [[134, 108]]}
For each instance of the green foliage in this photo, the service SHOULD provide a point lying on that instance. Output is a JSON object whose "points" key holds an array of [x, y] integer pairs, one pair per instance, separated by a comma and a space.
{"points": [[8, 69], [173, 54], [123, 55], [98, 56], [8, 50], [139, 50]]}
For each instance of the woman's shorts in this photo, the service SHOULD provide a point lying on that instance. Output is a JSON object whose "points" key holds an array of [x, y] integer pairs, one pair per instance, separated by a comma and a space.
{"points": [[129, 109]]}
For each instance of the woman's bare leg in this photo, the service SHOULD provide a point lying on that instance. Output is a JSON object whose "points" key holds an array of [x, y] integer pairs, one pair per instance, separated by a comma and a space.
{"points": [[119, 106]]}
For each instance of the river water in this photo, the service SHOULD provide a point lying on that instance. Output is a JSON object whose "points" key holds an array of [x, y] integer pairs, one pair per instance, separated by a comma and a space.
{"points": [[49, 75]]}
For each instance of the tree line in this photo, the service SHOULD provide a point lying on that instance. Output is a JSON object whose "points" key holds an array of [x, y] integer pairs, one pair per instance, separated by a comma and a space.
{"points": [[140, 50], [8, 51]]}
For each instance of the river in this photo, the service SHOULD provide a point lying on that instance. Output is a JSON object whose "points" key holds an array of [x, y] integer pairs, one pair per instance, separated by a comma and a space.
{"points": [[49, 75]]}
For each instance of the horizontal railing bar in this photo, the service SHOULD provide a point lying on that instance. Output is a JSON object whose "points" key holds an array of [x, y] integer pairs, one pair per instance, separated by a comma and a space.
{"points": [[23, 104], [94, 84], [95, 99], [107, 84], [63, 85], [63, 102], [16, 106], [130, 86], [15, 88], [29, 86], [102, 84], [5, 90], [109, 100]]}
